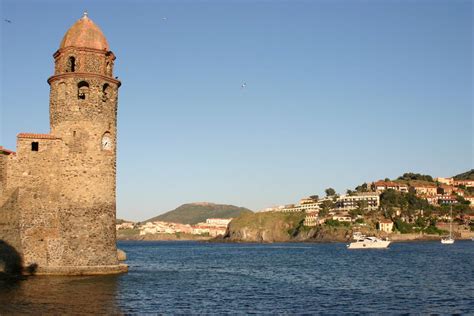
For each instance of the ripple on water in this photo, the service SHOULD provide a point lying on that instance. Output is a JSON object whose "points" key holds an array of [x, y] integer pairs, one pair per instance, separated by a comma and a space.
{"points": [[188, 277]]}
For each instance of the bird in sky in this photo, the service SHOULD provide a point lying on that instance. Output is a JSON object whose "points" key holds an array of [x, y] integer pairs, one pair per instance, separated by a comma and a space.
{"points": [[8, 21], [243, 85], [164, 18]]}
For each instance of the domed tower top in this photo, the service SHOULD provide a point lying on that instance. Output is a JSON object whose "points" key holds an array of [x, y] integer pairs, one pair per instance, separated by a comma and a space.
{"points": [[84, 49], [85, 34]]}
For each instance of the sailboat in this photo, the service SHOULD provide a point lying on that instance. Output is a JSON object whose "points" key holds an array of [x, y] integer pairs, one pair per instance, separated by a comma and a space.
{"points": [[449, 240]]}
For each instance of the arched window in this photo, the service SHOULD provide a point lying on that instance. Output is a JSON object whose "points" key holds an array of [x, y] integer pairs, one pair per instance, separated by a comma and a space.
{"points": [[71, 64], [106, 92], [82, 90]]}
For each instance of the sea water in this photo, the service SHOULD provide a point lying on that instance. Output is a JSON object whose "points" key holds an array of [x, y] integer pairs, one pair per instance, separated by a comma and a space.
{"points": [[296, 278]]}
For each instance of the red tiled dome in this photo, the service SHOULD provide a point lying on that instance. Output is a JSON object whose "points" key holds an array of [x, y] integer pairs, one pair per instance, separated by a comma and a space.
{"points": [[85, 33]]}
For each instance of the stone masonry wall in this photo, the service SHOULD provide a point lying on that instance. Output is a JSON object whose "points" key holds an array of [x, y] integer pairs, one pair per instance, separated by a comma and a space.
{"points": [[3, 172], [36, 175], [9, 214]]}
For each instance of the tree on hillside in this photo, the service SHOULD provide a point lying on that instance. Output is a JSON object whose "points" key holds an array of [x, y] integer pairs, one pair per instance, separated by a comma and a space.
{"points": [[362, 188], [314, 197], [388, 212], [350, 192], [362, 206], [325, 207], [354, 213], [463, 205], [461, 200], [330, 192], [392, 199], [415, 203], [422, 222], [415, 176]]}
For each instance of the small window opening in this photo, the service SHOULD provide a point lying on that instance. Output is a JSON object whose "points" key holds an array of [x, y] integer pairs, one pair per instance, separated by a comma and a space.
{"points": [[71, 64], [105, 92], [74, 134], [34, 146], [82, 90]]}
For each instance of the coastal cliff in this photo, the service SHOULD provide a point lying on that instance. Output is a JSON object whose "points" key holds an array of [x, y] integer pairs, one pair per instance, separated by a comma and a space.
{"points": [[281, 227], [263, 227]]}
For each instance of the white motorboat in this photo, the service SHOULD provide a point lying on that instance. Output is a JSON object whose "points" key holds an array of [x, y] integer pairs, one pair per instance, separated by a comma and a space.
{"points": [[363, 242], [449, 240]]}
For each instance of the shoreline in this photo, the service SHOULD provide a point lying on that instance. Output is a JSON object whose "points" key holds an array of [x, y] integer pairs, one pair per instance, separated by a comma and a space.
{"points": [[398, 239]]}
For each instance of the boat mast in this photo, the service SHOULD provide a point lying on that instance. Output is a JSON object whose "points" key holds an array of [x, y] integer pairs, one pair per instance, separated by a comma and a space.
{"points": [[451, 223]]}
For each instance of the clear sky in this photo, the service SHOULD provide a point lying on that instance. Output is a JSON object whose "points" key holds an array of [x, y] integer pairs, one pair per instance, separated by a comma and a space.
{"points": [[337, 93]]}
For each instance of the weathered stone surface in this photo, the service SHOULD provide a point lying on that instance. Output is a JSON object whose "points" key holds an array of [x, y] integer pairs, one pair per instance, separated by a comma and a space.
{"points": [[57, 192], [121, 255]]}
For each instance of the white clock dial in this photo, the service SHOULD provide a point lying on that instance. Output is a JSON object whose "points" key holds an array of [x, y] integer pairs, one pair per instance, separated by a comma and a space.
{"points": [[106, 142]]}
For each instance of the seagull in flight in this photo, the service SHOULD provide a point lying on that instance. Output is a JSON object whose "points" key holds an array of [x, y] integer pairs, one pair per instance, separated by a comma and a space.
{"points": [[164, 18], [8, 21], [243, 85]]}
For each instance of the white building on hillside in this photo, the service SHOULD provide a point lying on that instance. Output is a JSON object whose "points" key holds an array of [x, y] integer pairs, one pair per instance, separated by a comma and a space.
{"points": [[351, 202], [218, 221], [386, 225]]}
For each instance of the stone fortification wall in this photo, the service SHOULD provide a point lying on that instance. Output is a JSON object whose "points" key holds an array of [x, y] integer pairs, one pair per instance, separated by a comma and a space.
{"points": [[3, 172], [36, 176], [9, 214], [10, 220], [63, 199]]}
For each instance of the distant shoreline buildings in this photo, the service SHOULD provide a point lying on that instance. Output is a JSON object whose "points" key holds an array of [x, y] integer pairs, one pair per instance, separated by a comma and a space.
{"points": [[341, 208], [213, 227]]}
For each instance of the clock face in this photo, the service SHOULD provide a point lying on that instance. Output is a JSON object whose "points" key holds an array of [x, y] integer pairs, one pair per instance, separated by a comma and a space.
{"points": [[106, 142]]}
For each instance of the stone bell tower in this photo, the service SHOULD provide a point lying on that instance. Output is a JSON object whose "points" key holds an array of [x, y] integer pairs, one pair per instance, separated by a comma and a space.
{"points": [[57, 191], [83, 114]]}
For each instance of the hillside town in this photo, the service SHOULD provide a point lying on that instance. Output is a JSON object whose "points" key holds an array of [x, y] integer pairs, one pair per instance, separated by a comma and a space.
{"points": [[411, 203]]}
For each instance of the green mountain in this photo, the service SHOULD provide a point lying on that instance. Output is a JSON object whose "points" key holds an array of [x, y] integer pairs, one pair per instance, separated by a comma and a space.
{"points": [[468, 175], [194, 213]]}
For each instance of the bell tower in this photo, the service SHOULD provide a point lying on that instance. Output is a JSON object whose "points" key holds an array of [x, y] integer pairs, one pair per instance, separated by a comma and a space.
{"points": [[83, 88], [83, 114]]}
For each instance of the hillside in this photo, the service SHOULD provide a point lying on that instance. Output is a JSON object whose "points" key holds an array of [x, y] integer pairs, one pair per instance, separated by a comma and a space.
{"points": [[468, 175], [194, 213]]}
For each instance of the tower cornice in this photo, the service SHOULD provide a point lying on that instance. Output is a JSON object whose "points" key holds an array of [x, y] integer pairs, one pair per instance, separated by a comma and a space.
{"points": [[84, 49], [83, 74]]}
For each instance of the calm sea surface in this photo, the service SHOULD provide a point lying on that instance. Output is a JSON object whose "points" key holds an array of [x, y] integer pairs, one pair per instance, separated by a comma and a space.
{"points": [[189, 277]]}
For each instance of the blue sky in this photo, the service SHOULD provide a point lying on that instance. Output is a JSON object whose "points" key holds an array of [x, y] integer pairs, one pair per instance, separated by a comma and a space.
{"points": [[338, 93]]}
